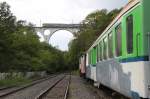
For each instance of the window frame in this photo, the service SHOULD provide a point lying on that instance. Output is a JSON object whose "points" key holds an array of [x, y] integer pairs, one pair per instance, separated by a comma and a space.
{"points": [[97, 53], [118, 42], [110, 42], [100, 51], [128, 38], [105, 49]]}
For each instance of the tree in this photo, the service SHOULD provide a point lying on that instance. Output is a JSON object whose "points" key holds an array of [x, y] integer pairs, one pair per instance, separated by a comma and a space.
{"points": [[20, 48], [7, 27], [25, 46], [91, 28]]}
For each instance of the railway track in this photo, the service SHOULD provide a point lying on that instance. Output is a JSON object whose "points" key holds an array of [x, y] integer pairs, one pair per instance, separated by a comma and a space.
{"points": [[28, 91], [59, 90], [54, 87], [8, 87], [12, 89]]}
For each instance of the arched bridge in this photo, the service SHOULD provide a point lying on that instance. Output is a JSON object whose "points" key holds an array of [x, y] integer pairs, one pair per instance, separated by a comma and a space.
{"points": [[73, 28]]}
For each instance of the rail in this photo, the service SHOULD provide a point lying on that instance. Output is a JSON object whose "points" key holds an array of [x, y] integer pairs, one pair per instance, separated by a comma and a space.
{"points": [[9, 92], [61, 80], [67, 89]]}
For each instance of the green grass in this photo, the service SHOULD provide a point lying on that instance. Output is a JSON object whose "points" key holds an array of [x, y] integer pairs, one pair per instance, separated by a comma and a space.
{"points": [[14, 81]]}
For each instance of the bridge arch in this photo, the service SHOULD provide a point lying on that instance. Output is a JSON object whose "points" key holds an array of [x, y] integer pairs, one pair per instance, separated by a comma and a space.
{"points": [[53, 28], [69, 30], [60, 39]]}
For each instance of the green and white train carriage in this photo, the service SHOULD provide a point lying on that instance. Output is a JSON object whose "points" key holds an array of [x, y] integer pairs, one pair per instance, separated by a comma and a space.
{"points": [[120, 57]]}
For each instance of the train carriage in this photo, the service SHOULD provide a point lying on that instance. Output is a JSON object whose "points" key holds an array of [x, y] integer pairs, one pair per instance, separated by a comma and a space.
{"points": [[82, 65], [120, 57]]}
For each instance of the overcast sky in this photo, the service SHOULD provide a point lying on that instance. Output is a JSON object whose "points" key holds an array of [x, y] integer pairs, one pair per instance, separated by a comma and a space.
{"points": [[59, 11]]}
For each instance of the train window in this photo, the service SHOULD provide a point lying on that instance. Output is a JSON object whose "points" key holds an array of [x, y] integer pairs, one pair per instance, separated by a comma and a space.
{"points": [[97, 53], [100, 51], [89, 57], [100, 58], [105, 48], [110, 45], [94, 55], [118, 38], [129, 29]]}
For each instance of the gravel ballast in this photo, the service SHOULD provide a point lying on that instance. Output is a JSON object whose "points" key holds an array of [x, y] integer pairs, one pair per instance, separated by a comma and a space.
{"points": [[78, 89]]}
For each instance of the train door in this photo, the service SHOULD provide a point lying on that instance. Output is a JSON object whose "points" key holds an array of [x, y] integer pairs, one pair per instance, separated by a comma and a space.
{"points": [[146, 23], [133, 32]]}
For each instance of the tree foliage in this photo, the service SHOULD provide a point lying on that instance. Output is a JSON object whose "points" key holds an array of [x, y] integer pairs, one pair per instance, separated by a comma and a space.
{"points": [[91, 28], [20, 48]]}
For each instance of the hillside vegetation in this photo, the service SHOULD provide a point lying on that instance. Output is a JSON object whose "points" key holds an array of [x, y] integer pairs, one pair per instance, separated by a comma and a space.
{"points": [[21, 50]]}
